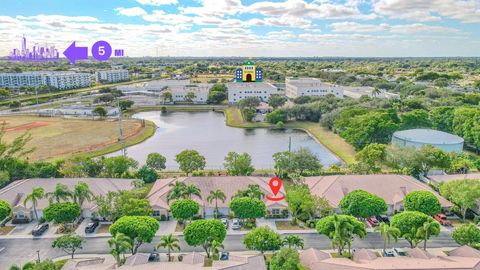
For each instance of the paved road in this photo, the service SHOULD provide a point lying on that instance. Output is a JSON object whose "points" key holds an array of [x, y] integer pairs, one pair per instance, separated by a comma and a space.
{"points": [[23, 250]]}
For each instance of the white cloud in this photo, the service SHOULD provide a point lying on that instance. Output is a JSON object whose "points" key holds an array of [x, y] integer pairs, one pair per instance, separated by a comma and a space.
{"points": [[353, 27], [135, 11], [467, 11], [214, 8], [42, 17], [157, 2]]}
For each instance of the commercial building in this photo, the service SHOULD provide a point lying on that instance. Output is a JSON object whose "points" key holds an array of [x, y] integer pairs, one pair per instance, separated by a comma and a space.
{"points": [[462, 258], [239, 91], [112, 76], [297, 87], [57, 79], [391, 187], [420, 137], [16, 192], [198, 93], [230, 185]]}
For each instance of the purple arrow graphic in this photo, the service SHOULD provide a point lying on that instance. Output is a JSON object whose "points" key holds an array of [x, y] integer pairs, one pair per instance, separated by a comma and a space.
{"points": [[76, 53]]}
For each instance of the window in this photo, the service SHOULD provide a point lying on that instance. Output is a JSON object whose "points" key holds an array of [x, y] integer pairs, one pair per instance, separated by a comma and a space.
{"points": [[156, 213], [275, 211]]}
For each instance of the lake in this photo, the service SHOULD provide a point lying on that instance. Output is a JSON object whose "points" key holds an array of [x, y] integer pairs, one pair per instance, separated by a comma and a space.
{"points": [[206, 132]]}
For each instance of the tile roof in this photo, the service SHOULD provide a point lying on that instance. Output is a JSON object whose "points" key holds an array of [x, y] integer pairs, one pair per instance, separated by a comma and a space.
{"points": [[391, 187], [16, 191], [230, 185], [452, 177]]}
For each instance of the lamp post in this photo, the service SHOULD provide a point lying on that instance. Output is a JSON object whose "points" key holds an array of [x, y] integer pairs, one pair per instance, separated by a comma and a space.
{"points": [[38, 256]]}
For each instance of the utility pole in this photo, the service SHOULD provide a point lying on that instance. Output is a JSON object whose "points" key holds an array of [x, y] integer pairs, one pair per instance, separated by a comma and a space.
{"points": [[289, 143], [124, 151]]}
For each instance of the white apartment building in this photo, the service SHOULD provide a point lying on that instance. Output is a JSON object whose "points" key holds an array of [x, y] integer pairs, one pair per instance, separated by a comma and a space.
{"points": [[240, 90], [112, 76], [297, 87], [58, 79]]}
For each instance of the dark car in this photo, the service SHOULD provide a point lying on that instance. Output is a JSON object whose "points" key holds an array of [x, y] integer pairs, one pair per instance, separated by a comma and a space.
{"points": [[40, 229], [383, 218], [154, 257], [91, 227], [225, 222]]}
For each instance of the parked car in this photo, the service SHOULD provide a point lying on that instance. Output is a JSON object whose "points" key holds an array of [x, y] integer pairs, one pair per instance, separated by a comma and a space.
{"points": [[90, 228], [40, 229], [154, 257], [383, 218], [389, 252], [442, 219], [224, 256], [225, 222], [236, 224], [400, 252], [373, 222]]}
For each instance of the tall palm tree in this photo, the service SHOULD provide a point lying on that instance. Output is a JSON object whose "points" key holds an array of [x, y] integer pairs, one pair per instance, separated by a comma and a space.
{"points": [[37, 194], [82, 193], [169, 242], [119, 244], [216, 195], [293, 241], [177, 191], [60, 193], [428, 229], [190, 190], [387, 232]]}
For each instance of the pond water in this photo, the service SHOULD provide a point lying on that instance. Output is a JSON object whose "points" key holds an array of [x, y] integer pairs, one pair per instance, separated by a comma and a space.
{"points": [[207, 133]]}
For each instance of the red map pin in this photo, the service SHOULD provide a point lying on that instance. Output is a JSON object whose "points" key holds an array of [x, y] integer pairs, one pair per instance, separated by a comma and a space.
{"points": [[275, 185]]}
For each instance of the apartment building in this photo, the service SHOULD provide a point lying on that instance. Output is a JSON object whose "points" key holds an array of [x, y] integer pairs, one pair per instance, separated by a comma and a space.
{"points": [[112, 76], [57, 79]]}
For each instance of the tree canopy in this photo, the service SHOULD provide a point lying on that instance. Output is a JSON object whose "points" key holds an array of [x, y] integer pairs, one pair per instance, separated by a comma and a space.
{"points": [[190, 160], [248, 208], [464, 194], [204, 232], [184, 209], [362, 204], [238, 164], [262, 239], [140, 229], [409, 222], [422, 201]]}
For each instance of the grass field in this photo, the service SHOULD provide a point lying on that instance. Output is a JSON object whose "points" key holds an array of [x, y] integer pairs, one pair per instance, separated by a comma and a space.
{"points": [[56, 138]]}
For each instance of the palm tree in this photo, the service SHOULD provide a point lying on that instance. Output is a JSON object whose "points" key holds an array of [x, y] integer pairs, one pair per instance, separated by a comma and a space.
{"points": [[215, 247], [61, 192], [376, 92], [254, 191], [177, 191], [169, 242], [81, 193], [190, 190], [293, 241], [428, 229], [387, 232], [167, 95], [37, 194], [119, 244], [340, 235], [216, 195]]}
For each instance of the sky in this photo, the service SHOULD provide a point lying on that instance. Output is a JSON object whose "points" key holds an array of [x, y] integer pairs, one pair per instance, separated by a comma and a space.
{"points": [[247, 28]]}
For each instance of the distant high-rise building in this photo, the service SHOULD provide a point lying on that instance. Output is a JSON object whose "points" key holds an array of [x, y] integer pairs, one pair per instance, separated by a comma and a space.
{"points": [[37, 53]]}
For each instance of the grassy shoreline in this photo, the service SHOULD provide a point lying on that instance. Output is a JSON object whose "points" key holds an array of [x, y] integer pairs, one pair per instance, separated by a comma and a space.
{"points": [[233, 118]]}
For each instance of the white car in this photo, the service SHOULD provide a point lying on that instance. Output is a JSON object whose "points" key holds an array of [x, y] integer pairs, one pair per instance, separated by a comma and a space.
{"points": [[236, 224]]}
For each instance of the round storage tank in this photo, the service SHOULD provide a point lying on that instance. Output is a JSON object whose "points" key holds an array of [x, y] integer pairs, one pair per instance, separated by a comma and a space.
{"points": [[419, 137]]}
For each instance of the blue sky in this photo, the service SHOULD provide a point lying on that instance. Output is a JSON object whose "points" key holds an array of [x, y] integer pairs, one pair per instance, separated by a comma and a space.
{"points": [[249, 28]]}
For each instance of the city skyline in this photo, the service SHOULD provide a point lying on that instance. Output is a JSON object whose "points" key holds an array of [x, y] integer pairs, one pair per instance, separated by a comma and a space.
{"points": [[294, 28], [37, 53]]}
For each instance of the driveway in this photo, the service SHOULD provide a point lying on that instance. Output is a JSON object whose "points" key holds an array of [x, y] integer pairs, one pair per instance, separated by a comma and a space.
{"points": [[23, 229], [167, 227], [261, 222]]}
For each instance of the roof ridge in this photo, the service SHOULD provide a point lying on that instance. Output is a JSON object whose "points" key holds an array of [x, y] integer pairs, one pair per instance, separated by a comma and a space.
{"points": [[14, 184]]}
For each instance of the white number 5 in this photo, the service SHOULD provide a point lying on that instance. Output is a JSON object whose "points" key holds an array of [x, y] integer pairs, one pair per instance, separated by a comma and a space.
{"points": [[101, 50]]}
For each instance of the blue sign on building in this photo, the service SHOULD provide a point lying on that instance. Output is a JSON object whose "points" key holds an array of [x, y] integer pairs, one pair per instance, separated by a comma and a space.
{"points": [[258, 75], [238, 75]]}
